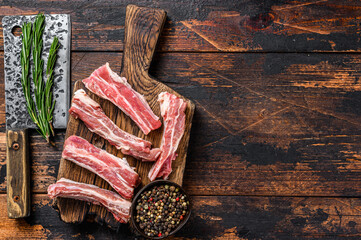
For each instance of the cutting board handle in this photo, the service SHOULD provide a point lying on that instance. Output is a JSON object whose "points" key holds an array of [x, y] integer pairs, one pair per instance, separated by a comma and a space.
{"points": [[17, 173], [142, 29]]}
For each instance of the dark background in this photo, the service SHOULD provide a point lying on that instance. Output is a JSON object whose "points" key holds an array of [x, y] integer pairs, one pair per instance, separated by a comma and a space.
{"points": [[275, 144]]}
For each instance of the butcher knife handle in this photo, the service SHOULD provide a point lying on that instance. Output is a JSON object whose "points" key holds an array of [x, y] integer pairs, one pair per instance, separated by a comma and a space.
{"points": [[142, 28], [17, 173]]}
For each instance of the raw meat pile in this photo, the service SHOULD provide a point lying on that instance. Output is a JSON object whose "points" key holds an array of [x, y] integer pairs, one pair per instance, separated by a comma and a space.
{"points": [[116, 171]]}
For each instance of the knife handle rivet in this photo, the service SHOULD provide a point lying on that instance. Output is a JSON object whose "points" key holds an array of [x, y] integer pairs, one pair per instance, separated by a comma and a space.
{"points": [[15, 146], [16, 198]]}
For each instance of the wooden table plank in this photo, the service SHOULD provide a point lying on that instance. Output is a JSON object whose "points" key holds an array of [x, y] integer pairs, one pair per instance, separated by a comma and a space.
{"points": [[265, 124], [222, 217], [232, 26]]}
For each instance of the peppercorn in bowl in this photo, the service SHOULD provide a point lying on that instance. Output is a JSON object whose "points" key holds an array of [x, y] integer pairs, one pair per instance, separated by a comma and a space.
{"points": [[160, 209]]}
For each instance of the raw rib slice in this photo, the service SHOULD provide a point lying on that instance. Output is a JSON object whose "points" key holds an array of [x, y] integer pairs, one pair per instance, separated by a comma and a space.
{"points": [[108, 85], [119, 207], [172, 110], [93, 116], [114, 170]]}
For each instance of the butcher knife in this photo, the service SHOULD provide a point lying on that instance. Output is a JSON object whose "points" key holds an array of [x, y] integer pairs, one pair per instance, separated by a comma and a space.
{"points": [[17, 118]]}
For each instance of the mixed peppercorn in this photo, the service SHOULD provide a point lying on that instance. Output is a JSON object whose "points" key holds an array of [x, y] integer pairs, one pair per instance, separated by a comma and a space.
{"points": [[160, 210]]}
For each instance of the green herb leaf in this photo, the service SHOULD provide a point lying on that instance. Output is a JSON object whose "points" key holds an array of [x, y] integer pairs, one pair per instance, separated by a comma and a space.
{"points": [[41, 110]]}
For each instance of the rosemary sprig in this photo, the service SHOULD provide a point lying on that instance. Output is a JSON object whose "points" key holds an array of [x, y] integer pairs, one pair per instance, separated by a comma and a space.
{"points": [[25, 66], [38, 30], [49, 103], [41, 111]]}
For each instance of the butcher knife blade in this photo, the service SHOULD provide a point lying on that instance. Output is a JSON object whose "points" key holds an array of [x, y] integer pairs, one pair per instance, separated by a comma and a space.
{"points": [[17, 117]]}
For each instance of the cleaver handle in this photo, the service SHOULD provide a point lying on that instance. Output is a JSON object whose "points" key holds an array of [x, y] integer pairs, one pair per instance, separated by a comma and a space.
{"points": [[18, 173], [142, 28]]}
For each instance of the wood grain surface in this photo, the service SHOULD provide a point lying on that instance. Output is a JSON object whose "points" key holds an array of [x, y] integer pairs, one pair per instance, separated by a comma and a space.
{"points": [[275, 146], [314, 146], [213, 217], [228, 25], [18, 173], [143, 28]]}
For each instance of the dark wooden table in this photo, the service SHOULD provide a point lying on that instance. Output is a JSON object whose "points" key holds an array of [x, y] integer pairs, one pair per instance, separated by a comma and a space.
{"points": [[275, 145]]}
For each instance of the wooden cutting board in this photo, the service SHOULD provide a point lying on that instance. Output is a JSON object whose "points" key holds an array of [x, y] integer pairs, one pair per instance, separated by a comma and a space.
{"points": [[142, 29]]}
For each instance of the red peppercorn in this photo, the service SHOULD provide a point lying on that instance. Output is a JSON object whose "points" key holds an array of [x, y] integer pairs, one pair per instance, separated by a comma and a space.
{"points": [[160, 234], [151, 199], [181, 217], [177, 199]]}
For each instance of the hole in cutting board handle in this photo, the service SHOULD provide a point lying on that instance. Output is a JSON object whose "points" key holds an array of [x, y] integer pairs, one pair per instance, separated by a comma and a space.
{"points": [[16, 31]]}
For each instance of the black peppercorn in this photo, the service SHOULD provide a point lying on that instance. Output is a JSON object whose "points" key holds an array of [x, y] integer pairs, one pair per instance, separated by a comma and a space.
{"points": [[160, 210]]}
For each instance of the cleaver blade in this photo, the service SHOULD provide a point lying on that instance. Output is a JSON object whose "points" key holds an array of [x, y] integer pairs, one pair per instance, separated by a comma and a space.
{"points": [[17, 117]]}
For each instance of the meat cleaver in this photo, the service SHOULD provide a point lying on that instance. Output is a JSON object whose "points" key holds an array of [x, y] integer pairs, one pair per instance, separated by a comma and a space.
{"points": [[17, 117]]}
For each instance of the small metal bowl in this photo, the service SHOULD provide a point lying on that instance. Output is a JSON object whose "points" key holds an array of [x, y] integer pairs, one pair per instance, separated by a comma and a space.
{"points": [[146, 188]]}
